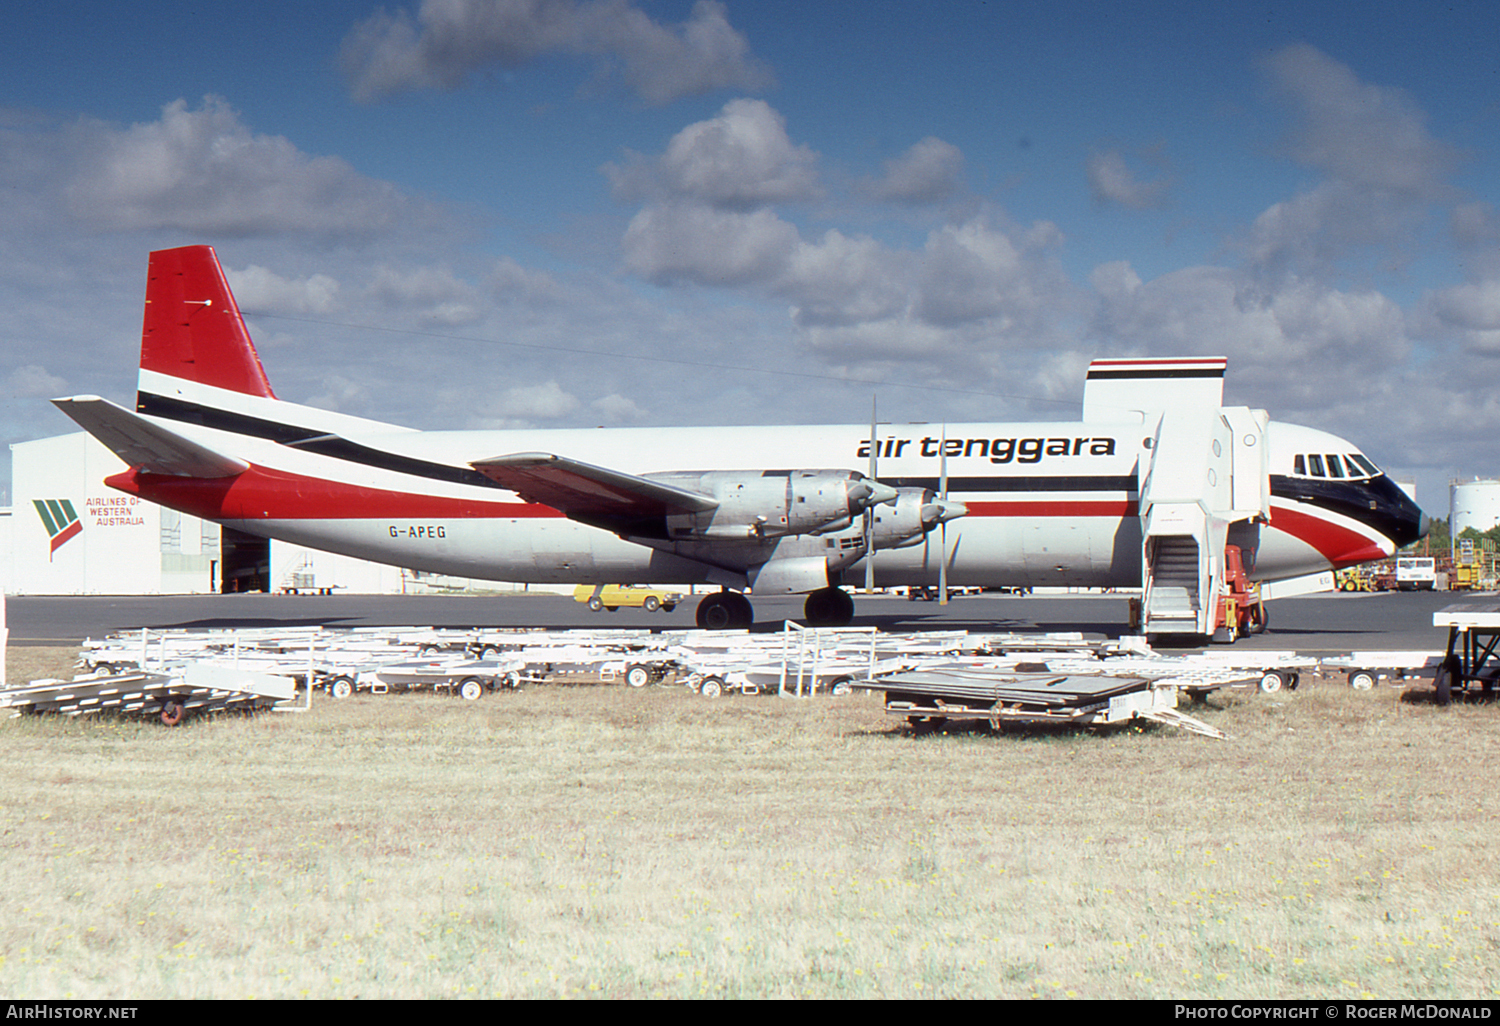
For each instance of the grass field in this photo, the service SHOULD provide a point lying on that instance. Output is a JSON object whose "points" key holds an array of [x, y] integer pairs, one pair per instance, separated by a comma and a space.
{"points": [[606, 842]]}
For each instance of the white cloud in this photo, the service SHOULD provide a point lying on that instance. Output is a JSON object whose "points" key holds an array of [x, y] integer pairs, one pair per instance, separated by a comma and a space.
{"points": [[435, 294], [258, 290], [1382, 169], [508, 280], [33, 381], [975, 270], [452, 39], [1473, 307], [1372, 136], [1112, 180], [740, 160], [843, 280], [545, 401], [929, 172], [617, 409], [683, 242], [203, 171]]}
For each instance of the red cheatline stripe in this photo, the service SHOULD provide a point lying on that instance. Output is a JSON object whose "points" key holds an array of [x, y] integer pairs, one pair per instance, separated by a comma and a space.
{"points": [[1339, 545], [66, 533], [1054, 508], [262, 494]]}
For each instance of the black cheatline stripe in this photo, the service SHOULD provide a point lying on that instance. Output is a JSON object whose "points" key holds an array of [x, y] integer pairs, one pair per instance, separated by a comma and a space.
{"points": [[1378, 502], [307, 440], [337, 447], [1185, 372]]}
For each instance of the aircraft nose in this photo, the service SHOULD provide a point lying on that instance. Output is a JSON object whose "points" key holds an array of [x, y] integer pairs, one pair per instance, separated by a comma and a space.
{"points": [[1423, 525]]}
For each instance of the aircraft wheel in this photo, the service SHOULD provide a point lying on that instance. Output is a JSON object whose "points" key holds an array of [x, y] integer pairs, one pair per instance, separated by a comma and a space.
{"points": [[828, 607], [726, 610], [652, 604], [1443, 682], [470, 688], [173, 712], [1362, 680], [637, 676]]}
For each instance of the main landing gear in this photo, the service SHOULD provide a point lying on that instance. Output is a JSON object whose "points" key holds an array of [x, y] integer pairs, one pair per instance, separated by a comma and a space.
{"points": [[729, 610], [725, 611]]}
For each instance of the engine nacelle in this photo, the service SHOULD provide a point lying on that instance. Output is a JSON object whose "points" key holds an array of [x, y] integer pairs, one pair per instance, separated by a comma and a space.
{"points": [[762, 505], [907, 520]]}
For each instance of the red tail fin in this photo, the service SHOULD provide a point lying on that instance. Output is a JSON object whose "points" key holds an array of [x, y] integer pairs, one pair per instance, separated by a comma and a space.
{"points": [[193, 328]]}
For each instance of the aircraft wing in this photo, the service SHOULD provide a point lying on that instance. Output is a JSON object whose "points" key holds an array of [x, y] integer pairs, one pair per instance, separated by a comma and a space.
{"points": [[144, 445], [588, 493]]}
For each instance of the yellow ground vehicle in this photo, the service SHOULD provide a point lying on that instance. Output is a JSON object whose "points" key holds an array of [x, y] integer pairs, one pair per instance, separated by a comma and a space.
{"points": [[613, 596]]}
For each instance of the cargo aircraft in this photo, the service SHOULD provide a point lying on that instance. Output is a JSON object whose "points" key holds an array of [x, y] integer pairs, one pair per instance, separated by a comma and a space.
{"points": [[1146, 490]]}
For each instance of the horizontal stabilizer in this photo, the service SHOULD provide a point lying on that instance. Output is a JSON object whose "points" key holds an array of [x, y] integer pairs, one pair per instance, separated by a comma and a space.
{"points": [[145, 445], [582, 490]]}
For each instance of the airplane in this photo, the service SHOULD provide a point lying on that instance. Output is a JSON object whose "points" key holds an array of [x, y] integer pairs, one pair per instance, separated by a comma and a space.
{"points": [[1148, 488]]}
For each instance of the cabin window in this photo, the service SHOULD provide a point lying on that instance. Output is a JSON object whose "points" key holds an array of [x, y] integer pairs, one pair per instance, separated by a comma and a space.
{"points": [[1335, 468], [1315, 462], [1299, 466]]}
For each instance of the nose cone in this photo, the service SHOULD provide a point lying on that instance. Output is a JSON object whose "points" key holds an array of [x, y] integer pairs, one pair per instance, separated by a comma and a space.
{"points": [[875, 493], [940, 511]]}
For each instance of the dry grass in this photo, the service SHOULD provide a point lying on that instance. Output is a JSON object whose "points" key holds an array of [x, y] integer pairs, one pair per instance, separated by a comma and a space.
{"points": [[618, 843]]}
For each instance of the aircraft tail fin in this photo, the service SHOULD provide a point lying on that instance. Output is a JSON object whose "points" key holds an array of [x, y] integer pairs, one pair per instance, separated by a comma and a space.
{"points": [[192, 329], [1116, 388], [147, 446]]}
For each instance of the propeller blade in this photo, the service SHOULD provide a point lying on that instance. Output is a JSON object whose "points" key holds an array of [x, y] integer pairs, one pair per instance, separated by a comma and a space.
{"points": [[869, 510], [942, 497]]}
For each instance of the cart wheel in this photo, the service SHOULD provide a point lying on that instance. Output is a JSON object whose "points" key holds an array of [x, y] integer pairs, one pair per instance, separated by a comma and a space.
{"points": [[1361, 680], [512, 679], [470, 688], [637, 676], [341, 687], [712, 687], [1272, 681], [842, 686], [173, 712], [1443, 682]]}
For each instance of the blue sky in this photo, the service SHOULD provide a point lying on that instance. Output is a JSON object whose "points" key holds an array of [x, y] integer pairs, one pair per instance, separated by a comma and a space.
{"points": [[578, 212]]}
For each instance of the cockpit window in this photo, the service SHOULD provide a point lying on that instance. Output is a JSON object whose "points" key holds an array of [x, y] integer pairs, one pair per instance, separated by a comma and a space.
{"points": [[1317, 464]]}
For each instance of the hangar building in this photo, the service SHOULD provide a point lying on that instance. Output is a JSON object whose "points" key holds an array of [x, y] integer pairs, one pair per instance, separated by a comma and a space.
{"points": [[70, 534]]}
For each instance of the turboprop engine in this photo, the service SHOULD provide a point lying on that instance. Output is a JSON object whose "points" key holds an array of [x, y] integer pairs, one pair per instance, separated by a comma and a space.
{"points": [[766, 505], [915, 512]]}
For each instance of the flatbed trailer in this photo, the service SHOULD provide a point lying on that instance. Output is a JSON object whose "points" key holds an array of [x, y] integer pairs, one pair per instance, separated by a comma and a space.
{"points": [[174, 696], [1470, 659], [929, 699]]}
